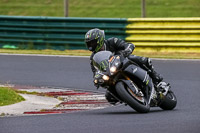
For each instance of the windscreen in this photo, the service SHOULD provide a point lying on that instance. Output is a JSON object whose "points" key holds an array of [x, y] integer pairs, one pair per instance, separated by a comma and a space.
{"points": [[100, 60]]}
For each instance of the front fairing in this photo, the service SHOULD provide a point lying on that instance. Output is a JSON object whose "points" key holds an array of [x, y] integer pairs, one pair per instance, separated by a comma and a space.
{"points": [[101, 61], [107, 67]]}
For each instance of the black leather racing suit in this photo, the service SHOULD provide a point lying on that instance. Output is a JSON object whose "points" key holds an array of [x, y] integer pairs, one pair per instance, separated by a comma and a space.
{"points": [[115, 45]]}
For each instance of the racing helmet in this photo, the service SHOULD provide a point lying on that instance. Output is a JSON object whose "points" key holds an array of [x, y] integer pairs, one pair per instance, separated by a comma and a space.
{"points": [[94, 39]]}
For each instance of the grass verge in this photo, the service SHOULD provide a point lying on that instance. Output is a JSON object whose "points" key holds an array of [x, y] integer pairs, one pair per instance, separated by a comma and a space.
{"points": [[9, 96], [47, 52], [103, 8], [151, 54]]}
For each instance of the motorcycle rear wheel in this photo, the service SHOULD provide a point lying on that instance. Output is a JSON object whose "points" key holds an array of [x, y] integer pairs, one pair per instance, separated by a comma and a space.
{"points": [[169, 101], [132, 101]]}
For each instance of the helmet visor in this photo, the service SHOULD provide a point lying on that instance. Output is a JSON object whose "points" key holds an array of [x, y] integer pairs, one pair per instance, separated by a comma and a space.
{"points": [[92, 45]]}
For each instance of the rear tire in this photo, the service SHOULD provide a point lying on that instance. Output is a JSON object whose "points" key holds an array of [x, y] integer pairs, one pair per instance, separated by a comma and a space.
{"points": [[131, 100], [169, 101]]}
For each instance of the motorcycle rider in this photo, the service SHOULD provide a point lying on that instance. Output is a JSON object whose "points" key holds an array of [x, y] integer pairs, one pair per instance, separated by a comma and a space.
{"points": [[95, 42]]}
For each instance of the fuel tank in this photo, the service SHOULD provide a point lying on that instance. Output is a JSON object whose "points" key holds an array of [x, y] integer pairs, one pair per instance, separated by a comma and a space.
{"points": [[137, 73]]}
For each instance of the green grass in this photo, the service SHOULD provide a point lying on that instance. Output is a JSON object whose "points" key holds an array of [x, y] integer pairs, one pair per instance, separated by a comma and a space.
{"points": [[9, 96], [102, 8], [47, 52], [150, 53]]}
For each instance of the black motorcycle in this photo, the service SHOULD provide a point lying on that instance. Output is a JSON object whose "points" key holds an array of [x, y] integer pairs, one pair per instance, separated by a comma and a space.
{"points": [[130, 84]]}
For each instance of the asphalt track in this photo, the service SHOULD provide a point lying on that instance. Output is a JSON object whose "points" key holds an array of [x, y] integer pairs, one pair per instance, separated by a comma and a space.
{"points": [[69, 72]]}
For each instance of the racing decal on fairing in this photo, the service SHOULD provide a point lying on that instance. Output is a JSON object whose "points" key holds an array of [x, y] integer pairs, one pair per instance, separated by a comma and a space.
{"points": [[103, 65], [134, 70], [146, 79]]}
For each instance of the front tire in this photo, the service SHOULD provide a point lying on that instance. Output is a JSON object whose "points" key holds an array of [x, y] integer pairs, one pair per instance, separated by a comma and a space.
{"points": [[128, 98]]}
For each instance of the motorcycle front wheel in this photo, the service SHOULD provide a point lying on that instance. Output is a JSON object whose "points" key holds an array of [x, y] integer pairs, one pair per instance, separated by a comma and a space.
{"points": [[139, 104]]}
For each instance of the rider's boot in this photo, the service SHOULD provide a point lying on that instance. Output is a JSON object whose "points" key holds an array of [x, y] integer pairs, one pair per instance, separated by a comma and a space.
{"points": [[157, 78]]}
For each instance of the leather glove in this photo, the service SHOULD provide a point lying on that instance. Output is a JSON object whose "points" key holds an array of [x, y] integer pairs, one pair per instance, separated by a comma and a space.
{"points": [[127, 52]]}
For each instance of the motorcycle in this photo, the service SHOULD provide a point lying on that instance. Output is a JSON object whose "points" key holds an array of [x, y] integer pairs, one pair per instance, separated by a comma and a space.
{"points": [[128, 83]]}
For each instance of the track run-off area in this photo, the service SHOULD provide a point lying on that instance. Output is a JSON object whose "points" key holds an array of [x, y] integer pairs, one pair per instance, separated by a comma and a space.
{"points": [[74, 73]]}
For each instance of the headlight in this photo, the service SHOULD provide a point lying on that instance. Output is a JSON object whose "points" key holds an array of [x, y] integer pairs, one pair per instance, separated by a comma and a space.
{"points": [[105, 77], [95, 81], [113, 69], [115, 65]]}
